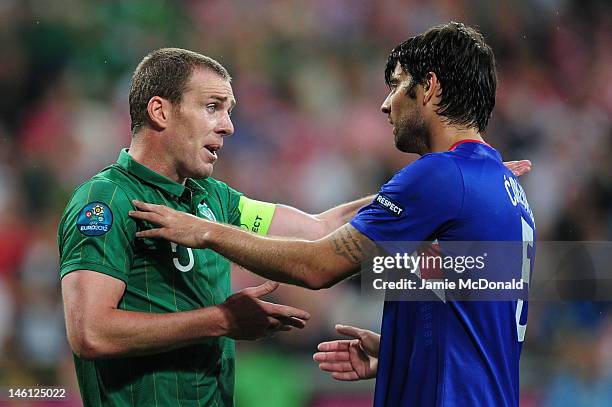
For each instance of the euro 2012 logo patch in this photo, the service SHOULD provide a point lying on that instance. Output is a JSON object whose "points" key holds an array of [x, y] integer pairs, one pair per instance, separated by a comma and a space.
{"points": [[95, 219]]}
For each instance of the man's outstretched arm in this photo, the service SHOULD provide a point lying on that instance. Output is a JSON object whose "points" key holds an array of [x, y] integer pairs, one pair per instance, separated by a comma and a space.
{"points": [[312, 264], [292, 222], [97, 328]]}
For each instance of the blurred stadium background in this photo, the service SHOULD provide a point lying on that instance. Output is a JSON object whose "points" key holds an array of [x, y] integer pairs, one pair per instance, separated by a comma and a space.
{"points": [[308, 77]]}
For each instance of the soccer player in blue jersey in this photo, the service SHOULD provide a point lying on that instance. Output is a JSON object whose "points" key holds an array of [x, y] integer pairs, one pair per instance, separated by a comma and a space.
{"points": [[442, 92]]}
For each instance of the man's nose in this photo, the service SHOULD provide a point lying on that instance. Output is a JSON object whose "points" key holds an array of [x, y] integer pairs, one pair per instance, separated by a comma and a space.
{"points": [[226, 128], [386, 106]]}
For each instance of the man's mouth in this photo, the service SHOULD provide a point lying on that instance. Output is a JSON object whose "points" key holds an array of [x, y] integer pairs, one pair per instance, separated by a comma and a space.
{"points": [[213, 148]]}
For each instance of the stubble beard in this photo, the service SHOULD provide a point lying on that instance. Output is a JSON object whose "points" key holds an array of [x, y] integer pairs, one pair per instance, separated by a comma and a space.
{"points": [[413, 136], [190, 165]]}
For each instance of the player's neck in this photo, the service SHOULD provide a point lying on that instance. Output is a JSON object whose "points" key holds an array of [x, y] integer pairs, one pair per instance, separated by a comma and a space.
{"points": [[145, 151], [443, 138]]}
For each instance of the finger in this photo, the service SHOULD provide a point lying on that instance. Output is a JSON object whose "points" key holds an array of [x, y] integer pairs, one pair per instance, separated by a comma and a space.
{"points": [[271, 333], [336, 366], [273, 324], [286, 328], [350, 331], [345, 376], [261, 290], [522, 168], [519, 168], [147, 216], [334, 345], [520, 171], [151, 233], [526, 163], [511, 164], [279, 310], [295, 322], [331, 356]]}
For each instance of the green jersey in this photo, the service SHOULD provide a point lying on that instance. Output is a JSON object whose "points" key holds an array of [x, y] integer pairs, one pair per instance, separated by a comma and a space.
{"points": [[97, 234]]}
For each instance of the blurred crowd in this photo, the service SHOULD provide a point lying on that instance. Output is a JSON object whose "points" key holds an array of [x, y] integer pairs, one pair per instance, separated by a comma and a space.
{"points": [[308, 78]]}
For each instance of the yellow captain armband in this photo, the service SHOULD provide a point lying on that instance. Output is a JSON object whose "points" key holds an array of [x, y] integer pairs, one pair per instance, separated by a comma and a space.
{"points": [[255, 216]]}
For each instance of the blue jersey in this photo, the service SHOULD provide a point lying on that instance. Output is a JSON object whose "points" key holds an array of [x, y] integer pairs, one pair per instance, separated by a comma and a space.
{"points": [[451, 353]]}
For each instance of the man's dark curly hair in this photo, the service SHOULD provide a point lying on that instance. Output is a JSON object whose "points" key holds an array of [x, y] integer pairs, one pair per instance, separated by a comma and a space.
{"points": [[464, 65]]}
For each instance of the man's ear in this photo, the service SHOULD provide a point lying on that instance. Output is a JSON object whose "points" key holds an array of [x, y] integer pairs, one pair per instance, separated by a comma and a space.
{"points": [[431, 88], [159, 110]]}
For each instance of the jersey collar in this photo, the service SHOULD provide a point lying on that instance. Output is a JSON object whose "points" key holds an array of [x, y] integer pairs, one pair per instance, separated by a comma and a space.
{"points": [[149, 176], [467, 141]]}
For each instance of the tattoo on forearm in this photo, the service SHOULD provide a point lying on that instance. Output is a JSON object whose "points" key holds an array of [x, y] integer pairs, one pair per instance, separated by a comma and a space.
{"points": [[346, 244]]}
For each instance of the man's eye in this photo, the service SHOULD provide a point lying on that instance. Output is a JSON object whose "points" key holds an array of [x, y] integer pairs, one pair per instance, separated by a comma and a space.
{"points": [[211, 108]]}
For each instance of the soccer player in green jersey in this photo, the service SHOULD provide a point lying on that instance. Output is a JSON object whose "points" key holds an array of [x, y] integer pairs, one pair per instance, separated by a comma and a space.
{"points": [[152, 323]]}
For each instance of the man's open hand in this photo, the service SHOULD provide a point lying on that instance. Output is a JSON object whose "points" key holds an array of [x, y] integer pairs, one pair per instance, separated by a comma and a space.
{"points": [[350, 359], [179, 227], [248, 317], [519, 168]]}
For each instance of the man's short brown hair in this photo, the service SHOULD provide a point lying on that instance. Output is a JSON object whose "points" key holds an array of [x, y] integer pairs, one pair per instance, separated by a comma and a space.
{"points": [[164, 73]]}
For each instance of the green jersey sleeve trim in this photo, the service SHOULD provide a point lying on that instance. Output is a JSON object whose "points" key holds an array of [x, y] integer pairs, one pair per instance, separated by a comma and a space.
{"points": [[255, 216], [100, 268]]}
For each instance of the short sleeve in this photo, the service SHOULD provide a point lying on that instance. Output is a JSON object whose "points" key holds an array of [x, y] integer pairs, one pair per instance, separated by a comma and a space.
{"points": [[233, 206], [415, 203], [96, 232]]}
